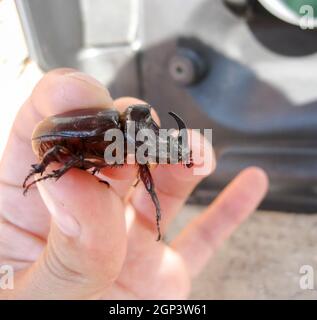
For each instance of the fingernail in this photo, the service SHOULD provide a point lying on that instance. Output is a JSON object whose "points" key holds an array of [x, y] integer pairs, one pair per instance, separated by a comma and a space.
{"points": [[86, 78], [60, 215]]}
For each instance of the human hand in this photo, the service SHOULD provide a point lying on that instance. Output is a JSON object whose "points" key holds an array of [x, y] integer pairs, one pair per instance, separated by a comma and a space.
{"points": [[75, 238]]}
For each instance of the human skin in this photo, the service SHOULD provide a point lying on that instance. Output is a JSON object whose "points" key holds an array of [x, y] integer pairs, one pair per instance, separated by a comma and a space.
{"points": [[76, 238]]}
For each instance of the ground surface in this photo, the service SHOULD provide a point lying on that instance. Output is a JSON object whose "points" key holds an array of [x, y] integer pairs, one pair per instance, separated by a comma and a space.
{"points": [[261, 260]]}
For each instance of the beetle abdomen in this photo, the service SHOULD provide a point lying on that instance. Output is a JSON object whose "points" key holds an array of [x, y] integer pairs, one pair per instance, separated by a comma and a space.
{"points": [[79, 123], [73, 128]]}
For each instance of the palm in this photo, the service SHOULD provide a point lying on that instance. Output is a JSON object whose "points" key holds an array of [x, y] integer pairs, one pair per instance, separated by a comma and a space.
{"points": [[116, 255]]}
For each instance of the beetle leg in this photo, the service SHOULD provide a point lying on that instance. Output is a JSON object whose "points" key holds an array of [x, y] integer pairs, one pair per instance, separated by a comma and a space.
{"points": [[97, 170], [136, 182], [86, 164], [50, 155], [55, 174], [104, 182], [145, 176], [191, 161], [68, 165]]}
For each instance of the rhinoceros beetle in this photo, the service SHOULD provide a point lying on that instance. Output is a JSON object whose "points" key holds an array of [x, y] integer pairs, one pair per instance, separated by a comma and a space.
{"points": [[76, 139]]}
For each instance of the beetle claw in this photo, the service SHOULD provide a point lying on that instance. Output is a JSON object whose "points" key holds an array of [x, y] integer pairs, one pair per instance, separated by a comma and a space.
{"points": [[105, 182]]}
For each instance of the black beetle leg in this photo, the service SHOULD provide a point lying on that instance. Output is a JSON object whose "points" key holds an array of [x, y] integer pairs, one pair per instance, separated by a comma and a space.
{"points": [[96, 169], [50, 155], [68, 165], [37, 168], [136, 182], [55, 174], [191, 161], [104, 182], [145, 176]]}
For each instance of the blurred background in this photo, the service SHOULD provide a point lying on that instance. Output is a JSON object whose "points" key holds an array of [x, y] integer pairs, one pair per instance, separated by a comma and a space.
{"points": [[245, 68]]}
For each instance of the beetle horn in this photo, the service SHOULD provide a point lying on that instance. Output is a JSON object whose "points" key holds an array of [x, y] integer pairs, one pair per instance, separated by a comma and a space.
{"points": [[181, 125]]}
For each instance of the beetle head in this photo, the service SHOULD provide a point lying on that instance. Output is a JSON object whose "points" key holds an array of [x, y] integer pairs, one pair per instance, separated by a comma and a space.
{"points": [[173, 149]]}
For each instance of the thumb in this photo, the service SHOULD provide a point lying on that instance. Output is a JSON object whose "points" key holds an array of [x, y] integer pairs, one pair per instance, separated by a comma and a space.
{"points": [[87, 241]]}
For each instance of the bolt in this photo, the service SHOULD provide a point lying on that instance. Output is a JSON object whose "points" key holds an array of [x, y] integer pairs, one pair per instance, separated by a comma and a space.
{"points": [[187, 67]]}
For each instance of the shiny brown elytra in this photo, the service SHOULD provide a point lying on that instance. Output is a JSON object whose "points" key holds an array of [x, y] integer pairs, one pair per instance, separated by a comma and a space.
{"points": [[76, 139]]}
